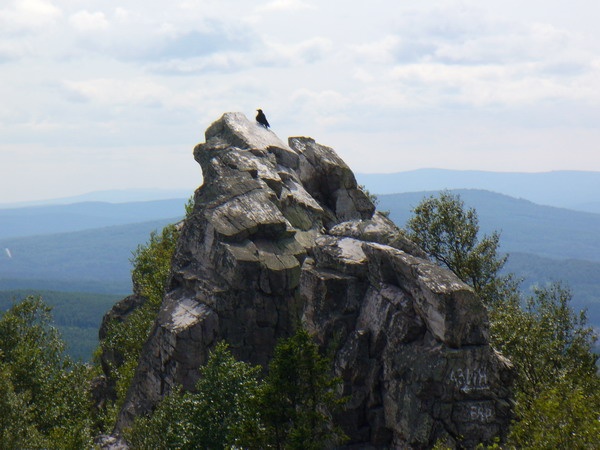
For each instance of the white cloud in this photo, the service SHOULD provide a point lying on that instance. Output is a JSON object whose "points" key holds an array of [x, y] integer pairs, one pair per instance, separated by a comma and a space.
{"points": [[468, 57], [379, 52], [141, 38], [85, 21], [218, 62], [115, 92], [325, 109], [261, 55], [13, 49], [414, 75], [303, 52], [327, 101], [28, 14], [122, 14], [286, 5]]}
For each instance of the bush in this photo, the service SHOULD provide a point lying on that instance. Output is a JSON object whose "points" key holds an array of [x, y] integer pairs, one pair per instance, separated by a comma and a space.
{"points": [[230, 408], [211, 417], [44, 399], [150, 274]]}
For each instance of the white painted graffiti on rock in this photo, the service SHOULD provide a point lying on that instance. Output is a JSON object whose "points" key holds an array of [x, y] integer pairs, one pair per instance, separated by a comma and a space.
{"points": [[481, 413], [468, 380]]}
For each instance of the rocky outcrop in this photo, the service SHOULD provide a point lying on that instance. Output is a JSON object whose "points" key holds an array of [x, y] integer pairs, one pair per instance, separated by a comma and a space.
{"points": [[281, 233]]}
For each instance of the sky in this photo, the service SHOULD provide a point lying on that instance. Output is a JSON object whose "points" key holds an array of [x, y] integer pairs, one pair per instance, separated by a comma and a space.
{"points": [[105, 94]]}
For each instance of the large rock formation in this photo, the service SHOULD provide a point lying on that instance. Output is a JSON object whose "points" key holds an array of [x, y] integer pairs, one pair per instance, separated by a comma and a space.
{"points": [[281, 232]]}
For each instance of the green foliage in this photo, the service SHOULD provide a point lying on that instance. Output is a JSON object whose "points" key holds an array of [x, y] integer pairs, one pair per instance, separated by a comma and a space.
{"points": [[557, 386], [152, 264], [17, 427], [581, 277], [43, 394], [299, 397], [212, 417], [561, 416], [189, 206], [76, 315], [545, 340], [449, 233], [231, 408]]}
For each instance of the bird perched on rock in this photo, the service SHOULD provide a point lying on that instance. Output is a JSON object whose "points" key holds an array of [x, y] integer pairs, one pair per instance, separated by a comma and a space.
{"points": [[262, 119]]}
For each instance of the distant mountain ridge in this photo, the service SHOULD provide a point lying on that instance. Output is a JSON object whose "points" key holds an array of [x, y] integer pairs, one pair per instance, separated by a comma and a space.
{"points": [[109, 196], [578, 190], [50, 219], [545, 243], [77, 259], [524, 226]]}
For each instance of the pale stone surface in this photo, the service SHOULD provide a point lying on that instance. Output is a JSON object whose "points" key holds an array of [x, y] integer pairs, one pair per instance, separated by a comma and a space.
{"points": [[281, 233]]}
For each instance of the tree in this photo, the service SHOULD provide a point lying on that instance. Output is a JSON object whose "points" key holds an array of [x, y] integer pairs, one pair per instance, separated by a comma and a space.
{"points": [[44, 401], [561, 416], [230, 408], [557, 384], [150, 275], [449, 233], [17, 427], [214, 416], [152, 265], [300, 396], [546, 341]]}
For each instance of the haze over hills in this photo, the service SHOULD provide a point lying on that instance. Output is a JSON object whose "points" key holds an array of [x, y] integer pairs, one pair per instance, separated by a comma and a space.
{"points": [[49, 219], [110, 196], [524, 226], [577, 190], [545, 244], [94, 260], [86, 246]]}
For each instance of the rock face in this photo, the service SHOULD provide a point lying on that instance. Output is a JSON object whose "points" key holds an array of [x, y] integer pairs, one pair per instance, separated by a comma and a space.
{"points": [[281, 232]]}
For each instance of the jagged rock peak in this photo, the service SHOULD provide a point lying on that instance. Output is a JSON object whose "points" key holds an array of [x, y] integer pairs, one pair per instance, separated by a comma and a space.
{"points": [[281, 232]]}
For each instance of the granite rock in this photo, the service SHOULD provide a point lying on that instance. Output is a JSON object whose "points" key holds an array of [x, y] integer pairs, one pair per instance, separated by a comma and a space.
{"points": [[281, 232]]}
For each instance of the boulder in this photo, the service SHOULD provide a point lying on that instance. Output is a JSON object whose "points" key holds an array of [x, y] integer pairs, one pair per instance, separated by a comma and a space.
{"points": [[281, 233]]}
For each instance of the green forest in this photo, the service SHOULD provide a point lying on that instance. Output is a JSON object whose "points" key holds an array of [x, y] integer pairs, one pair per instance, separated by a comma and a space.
{"points": [[76, 315], [47, 401]]}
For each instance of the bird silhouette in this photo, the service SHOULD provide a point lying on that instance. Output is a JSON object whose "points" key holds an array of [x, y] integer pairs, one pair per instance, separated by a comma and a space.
{"points": [[262, 119]]}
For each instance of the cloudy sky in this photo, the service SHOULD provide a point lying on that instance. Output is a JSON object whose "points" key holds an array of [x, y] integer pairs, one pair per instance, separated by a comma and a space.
{"points": [[106, 94]]}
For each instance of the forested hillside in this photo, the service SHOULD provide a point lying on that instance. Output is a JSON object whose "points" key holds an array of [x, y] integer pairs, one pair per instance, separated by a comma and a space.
{"points": [[89, 261], [525, 227], [76, 315]]}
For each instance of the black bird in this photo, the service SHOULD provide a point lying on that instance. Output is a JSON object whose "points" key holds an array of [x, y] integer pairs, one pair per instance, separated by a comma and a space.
{"points": [[262, 119]]}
